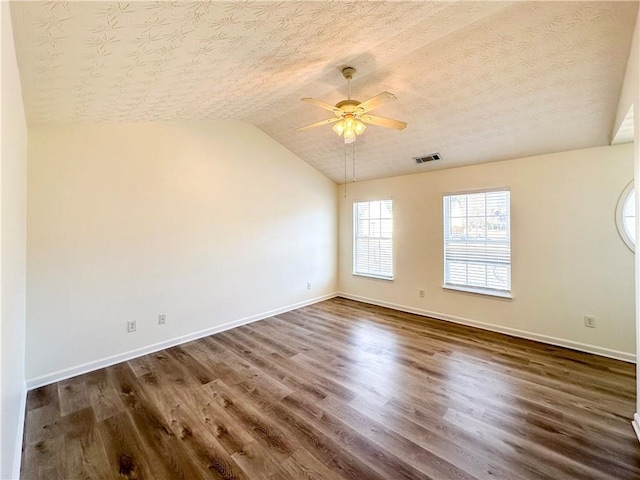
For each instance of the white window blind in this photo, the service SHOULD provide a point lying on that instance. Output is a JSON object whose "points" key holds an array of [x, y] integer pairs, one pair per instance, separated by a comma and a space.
{"points": [[373, 238], [477, 241]]}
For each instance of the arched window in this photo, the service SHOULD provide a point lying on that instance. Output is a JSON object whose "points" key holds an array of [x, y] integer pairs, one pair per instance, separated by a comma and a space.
{"points": [[626, 216]]}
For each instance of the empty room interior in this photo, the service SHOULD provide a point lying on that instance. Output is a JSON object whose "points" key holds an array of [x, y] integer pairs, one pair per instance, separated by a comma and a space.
{"points": [[319, 240]]}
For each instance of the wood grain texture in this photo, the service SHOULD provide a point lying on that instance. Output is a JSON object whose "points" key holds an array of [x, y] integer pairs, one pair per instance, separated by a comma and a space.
{"points": [[341, 390]]}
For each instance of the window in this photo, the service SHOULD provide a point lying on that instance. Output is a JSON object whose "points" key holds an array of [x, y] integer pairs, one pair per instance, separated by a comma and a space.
{"points": [[372, 239], [477, 242], [626, 216]]}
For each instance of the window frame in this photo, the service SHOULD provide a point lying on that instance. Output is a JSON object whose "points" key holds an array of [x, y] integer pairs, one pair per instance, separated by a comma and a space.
{"points": [[485, 291], [625, 196], [370, 274]]}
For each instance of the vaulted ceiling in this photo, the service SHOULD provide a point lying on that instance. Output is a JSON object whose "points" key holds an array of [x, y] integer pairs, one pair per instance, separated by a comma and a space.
{"points": [[475, 81]]}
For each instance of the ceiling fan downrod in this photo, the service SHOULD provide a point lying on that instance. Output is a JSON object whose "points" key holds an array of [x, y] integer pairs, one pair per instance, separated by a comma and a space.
{"points": [[347, 73]]}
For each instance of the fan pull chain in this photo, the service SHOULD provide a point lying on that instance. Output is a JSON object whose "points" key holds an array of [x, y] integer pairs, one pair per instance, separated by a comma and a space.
{"points": [[353, 160], [345, 170]]}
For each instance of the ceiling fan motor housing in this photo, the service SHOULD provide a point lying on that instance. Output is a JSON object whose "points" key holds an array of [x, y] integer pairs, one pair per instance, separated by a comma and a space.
{"points": [[348, 106]]}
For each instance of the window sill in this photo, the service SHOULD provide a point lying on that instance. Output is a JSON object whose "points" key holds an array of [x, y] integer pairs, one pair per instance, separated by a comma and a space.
{"points": [[370, 275], [479, 291]]}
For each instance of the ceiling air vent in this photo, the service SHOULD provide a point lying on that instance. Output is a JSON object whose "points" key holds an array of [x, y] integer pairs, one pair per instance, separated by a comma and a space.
{"points": [[428, 158]]}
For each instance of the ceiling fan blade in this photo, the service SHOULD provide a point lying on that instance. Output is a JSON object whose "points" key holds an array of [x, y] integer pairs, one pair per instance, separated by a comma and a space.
{"points": [[384, 122], [318, 124], [318, 103], [375, 102]]}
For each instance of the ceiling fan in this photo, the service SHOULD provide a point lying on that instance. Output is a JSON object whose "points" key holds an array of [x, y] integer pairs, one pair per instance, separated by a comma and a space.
{"points": [[352, 115]]}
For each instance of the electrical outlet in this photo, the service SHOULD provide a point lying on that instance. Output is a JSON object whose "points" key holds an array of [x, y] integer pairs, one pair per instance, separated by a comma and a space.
{"points": [[132, 326], [308, 285], [589, 321], [162, 319], [421, 293]]}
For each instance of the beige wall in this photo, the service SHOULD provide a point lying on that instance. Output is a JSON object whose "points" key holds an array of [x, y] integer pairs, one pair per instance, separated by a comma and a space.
{"points": [[13, 151], [567, 257], [210, 223]]}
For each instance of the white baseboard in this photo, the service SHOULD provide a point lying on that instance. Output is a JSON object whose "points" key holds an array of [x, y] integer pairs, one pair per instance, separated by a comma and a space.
{"points": [[560, 342], [636, 424], [123, 357], [17, 455]]}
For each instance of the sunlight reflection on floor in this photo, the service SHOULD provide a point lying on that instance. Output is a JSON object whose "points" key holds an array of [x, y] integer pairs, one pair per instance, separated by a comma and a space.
{"points": [[373, 357]]}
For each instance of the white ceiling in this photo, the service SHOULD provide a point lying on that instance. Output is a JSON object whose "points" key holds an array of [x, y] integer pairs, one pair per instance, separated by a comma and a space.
{"points": [[476, 81]]}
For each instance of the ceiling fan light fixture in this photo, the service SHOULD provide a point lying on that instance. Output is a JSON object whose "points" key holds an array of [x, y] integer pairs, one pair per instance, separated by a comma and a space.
{"points": [[349, 122], [349, 127], [349, 136]]}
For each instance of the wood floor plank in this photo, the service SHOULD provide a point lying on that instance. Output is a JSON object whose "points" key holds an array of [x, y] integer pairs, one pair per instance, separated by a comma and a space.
{"points": [[201, 444], [259, 464], [73, 396], [43, 396], [153, 428], [85, 454], [287, 372], [103, 397], [281, 347], [472, 436], [578, 449], [126, 452], [192, 366], [423, 464], [208, 356], [327, 450], [279, 367], [45, 460], [44, 424], [549, 461], [171, 371], [248, 371], [473, 457], [141, 365], [262, 428], [366, 385], [38, 423], [304, 465], [341, 390]]}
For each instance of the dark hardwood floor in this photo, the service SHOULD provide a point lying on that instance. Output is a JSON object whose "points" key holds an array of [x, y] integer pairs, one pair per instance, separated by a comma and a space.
{"points": [[341, 390]]}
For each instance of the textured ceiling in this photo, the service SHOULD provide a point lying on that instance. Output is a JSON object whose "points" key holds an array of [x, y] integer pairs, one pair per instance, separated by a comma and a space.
{"points": [[476, 81]]}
